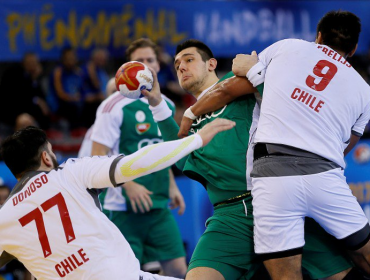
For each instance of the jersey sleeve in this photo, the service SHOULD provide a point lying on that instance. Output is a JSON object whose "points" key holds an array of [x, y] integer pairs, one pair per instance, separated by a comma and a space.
{"points": [[106, 129], [155, 157], [268, 54], [359, 126], [91, 172]]}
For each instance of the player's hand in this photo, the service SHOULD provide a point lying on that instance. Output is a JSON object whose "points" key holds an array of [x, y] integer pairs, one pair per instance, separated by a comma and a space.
{"points": [[154, 96], [243, 62], [139, 196], [211, 129], [177, 200], [185, 127]]}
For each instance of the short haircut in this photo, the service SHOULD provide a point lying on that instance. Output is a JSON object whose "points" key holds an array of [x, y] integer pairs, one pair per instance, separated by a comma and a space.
{"points": [[21, 151], [340, 30], [204, 51], [139, 44]]}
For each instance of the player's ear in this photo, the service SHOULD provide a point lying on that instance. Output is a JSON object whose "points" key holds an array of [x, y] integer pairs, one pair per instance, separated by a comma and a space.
{"points": [[353, 51], [318, 38], [46, 159], [212, 64]]}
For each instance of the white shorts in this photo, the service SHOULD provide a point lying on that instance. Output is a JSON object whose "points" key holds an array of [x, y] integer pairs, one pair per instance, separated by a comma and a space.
{"points": [[280, 205]]}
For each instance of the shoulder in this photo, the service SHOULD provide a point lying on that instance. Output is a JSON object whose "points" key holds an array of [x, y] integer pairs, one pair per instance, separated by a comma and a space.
{"points": [[115, 102]]}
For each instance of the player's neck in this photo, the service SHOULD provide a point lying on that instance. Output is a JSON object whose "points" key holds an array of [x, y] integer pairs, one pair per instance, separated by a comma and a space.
{"points": [[211, 81]]}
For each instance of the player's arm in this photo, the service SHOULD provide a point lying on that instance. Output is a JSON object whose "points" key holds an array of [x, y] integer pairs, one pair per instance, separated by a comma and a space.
{"points": [[5, 258], [157, 157], [176, 198], [162, 114], [358, 129], [99, 149], [222, 94], [352, 142]]}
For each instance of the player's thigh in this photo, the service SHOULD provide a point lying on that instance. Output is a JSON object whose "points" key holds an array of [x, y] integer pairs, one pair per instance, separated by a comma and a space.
{"points": [[163, 240], [133, 229], [227, 243], [323, 255], [279, 207], [332, 204]]}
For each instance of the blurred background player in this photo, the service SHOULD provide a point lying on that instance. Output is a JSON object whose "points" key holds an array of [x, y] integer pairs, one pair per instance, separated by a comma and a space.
{"points": [[65, 97], [95, 79], [22, 83], [140, 207]]}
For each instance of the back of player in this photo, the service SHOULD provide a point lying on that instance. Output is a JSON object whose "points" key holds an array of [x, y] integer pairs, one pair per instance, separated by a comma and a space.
{"points": [[58, 225], [318, 88]]}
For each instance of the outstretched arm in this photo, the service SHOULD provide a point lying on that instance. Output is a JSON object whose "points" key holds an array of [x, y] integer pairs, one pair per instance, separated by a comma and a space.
{"points": [[220, 95], [156, 157]]}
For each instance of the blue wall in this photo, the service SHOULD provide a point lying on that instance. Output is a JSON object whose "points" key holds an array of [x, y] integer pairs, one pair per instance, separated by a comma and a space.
{"points": [[228, 27]]}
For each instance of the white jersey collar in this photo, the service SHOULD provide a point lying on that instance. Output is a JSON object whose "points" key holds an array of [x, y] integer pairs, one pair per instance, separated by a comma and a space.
{"points": [[204, 91]]}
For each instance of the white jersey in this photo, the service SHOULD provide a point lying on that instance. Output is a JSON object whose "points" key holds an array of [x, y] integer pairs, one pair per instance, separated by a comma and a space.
{"points": [[52, 225], [86, 145], [313, 99]]}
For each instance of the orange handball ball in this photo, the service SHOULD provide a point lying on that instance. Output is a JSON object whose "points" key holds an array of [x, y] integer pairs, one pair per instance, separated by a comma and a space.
{"points": [[132, 77]]}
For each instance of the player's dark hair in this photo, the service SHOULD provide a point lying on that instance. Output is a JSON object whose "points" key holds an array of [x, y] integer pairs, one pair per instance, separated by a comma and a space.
{"points": [[204, 51], [340, 30], [139, 44], [21, 151]]}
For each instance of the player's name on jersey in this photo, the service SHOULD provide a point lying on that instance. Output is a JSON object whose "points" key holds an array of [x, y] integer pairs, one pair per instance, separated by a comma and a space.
{"points": [[307, 99], [71, 263], [334, 55], [36, 184]]}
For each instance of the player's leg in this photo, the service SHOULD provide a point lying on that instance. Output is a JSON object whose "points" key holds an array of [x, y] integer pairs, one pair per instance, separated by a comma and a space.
{"points": [[361, 257], [279, 208], [323, 256], [225, 250], [334, 207], [285, 268], [131, 226], [164, 243]]}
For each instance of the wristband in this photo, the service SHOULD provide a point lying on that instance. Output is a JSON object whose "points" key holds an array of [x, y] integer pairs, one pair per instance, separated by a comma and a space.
{"points": [[256, 75], [189, 114], [161, 111]]}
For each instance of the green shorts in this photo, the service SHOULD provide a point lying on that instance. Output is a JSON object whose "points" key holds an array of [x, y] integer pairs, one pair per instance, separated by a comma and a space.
{"points": [[227, 245], [153, 236]]}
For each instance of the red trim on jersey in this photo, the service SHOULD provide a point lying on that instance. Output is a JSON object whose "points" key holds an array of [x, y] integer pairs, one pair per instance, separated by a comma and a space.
{"points": [[109, 106]]}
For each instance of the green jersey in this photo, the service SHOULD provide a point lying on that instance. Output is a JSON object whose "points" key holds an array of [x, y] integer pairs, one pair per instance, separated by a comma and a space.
{"points": [[137, 131], [221, 165], [130, 124]]}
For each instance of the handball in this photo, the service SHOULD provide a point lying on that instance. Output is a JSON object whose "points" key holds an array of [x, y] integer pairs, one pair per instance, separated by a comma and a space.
{"points": [[132, 77]]}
